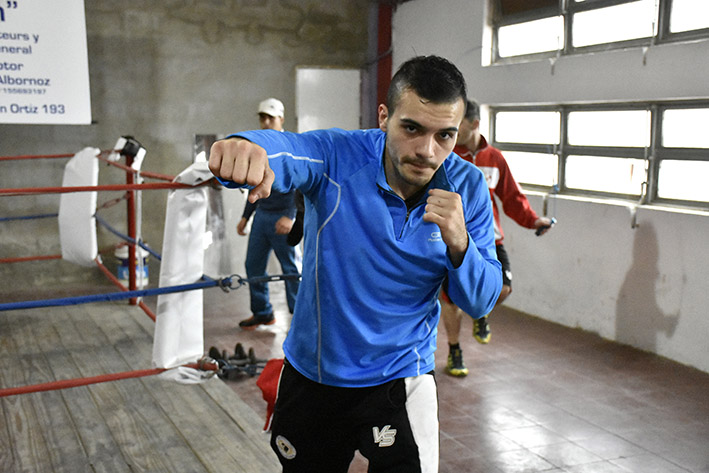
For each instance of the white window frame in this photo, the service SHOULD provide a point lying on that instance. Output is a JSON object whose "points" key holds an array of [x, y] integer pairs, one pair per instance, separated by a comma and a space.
{"points": [[567, 9], [654, 154]]}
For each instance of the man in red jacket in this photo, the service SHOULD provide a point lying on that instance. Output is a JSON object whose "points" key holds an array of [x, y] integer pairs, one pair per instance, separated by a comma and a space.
{"points": [[473, 147]]}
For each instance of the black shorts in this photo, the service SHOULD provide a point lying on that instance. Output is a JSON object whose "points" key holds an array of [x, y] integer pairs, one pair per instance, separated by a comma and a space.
{"points": [[317, 428]]}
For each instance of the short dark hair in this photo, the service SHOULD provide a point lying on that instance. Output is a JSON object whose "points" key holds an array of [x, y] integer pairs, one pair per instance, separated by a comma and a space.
{"points": [[472, 110], [431, 77]]}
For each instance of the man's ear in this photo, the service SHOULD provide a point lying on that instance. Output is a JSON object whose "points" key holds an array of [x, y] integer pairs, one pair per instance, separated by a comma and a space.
{"points": [[383, 113]]}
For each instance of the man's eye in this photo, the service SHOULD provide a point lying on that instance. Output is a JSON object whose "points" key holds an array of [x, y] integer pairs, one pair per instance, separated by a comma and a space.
{"points": [[446, 135]]}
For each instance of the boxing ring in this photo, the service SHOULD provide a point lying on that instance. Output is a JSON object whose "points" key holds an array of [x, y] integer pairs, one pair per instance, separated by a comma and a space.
{"points": [[177, 344]]}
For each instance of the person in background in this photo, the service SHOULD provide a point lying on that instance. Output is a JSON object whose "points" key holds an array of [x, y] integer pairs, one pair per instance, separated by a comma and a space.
{"points": [[391, 212], [273, 220], [472, 146]]}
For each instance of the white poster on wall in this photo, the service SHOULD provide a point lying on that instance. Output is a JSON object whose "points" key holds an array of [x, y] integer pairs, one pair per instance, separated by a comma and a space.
{"points": [[44, 67]]}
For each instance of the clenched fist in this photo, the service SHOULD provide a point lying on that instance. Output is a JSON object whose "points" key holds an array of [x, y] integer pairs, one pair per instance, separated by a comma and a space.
{"points": [[244, 163]]}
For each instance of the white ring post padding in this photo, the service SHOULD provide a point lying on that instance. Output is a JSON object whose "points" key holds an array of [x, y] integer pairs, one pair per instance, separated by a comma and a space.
{"points": [[77, 224], [178, 330]]}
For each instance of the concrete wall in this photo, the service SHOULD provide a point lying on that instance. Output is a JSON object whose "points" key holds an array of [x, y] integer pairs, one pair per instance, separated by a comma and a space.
{"points": [[643, 286], [163, 72]]}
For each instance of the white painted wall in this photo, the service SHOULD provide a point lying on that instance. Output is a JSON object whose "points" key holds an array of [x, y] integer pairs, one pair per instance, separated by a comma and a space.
{"points": [[644, 286], [318, 88]]}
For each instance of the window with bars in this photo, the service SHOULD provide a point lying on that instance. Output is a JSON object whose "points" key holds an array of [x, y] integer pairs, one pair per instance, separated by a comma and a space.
{"points": [[651, 152], [534, 28]]}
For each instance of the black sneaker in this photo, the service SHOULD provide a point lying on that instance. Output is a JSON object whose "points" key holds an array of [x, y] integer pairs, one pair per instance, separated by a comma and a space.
{"points": [[481, 330], [254, 321], [455, 366]]}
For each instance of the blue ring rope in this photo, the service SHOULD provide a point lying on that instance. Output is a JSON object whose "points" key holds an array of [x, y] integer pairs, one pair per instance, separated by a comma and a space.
{"points": [[224, 283], [111, 296], [27, 217], [127, 238]]}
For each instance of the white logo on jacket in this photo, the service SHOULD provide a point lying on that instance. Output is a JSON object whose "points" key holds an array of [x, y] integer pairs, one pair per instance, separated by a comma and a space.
{"points": [[492, 175]]}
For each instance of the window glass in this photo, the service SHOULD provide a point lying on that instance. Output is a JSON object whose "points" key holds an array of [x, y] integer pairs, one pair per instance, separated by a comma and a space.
{"points": [[620, 136], [683, 180], [689, 15], [610, 128], [531, 37], [617, 23], [533, 168], [596, 173], [527, 127], [685, 128]]}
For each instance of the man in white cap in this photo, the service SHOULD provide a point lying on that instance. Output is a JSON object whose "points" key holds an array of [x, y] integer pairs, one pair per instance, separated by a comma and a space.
{"points": [[269, 231], [270, 114]]}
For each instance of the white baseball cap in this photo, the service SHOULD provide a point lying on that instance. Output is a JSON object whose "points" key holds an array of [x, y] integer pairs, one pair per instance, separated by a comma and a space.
{"points": [[273, 107]]}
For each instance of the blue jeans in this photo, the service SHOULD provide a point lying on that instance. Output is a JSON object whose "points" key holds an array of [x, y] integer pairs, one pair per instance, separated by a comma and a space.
{"points": [[262, 240]]}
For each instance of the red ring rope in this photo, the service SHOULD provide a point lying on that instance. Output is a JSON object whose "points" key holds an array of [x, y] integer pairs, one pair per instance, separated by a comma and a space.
{"points": [[153, 175], [108, 187], [30, 156], [118, 283], [73, 383], [22, 259]]}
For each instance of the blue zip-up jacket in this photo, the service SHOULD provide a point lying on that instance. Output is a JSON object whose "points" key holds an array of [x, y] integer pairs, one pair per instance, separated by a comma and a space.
{"points": [[367, 309]]}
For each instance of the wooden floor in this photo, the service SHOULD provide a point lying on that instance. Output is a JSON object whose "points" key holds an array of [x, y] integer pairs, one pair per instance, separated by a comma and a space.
{"points": [[143, 424]]}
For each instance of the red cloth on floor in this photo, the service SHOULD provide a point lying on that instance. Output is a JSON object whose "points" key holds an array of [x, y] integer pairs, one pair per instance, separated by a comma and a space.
{"points": [[268, 381]]}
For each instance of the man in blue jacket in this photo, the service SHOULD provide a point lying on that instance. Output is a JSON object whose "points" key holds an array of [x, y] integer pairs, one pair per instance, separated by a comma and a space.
{"points": [[390, 212]]}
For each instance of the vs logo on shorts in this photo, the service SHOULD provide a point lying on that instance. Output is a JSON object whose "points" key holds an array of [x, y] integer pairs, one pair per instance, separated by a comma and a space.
{"points": [[384, 437]]}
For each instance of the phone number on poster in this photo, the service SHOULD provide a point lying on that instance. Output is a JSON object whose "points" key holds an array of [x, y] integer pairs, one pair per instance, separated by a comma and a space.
{"points": [[26, 91]]}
